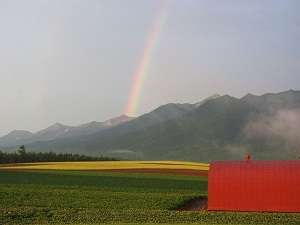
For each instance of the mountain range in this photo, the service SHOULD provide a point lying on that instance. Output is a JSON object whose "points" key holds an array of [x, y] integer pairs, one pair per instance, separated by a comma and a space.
{"points": [[217, 128], [58, 131]]}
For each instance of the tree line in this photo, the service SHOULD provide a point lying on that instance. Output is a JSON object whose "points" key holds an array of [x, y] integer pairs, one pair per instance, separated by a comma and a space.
{"points": [[22, 156]]}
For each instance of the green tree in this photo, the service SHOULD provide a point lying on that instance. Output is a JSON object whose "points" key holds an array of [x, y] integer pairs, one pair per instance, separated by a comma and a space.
{"points": [[22, 150]]}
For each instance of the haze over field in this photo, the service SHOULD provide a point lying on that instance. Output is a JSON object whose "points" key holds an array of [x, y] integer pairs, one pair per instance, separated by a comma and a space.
{"points": [[76, 61]]}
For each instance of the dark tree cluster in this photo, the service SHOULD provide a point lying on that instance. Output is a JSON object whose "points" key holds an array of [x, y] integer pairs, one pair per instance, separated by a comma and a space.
{"points": [[22, 156]]}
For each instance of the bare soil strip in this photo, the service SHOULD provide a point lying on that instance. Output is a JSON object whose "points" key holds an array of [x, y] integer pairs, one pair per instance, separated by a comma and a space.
{"points": [[187, 172], [195, 204], [184, 172]]}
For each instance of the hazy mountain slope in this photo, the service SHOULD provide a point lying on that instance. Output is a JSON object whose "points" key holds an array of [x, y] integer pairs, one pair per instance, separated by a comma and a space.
{"points": [[207, 99], [59, 131], [197, 135], [158, 116], [270, 103], [225, 127], [94, 127], [218, 129], [55, 131], [140, 125], [15, 137]]}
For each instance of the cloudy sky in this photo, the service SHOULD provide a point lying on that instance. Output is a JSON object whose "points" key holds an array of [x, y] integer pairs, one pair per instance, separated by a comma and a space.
{"points": [[72, 61]]}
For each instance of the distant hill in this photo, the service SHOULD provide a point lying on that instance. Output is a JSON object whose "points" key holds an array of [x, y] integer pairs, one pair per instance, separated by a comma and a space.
{"points": [[218, 128], [59, 131], [15, 137]]}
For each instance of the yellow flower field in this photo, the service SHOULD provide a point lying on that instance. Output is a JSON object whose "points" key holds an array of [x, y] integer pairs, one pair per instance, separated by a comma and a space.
{"points": [[111, 165]]}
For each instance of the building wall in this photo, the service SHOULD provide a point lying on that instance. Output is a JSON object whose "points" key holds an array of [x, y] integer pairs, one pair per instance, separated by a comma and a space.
{"points": [[261, 186]]}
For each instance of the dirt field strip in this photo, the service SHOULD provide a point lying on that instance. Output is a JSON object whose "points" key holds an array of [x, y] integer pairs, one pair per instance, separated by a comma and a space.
{"points": [[196, 204], [186, 172]]}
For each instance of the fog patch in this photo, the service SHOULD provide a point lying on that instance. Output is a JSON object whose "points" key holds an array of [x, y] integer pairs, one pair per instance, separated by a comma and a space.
{"points": [[125, 154], [123, 151], [237, 151], [284, 124]]}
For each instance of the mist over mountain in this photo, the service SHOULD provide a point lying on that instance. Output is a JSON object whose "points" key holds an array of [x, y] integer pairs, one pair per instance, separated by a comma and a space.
{"points": [[218, 128]]}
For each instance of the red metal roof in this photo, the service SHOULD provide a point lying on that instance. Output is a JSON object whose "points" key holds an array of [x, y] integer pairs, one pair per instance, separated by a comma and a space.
{"points": [[271, 186]]}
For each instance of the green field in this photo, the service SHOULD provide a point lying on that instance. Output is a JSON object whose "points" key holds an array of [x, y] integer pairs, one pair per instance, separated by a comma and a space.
{"points": [[89, 197]]}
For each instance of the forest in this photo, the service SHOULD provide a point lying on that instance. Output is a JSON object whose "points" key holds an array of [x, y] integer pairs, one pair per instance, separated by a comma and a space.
{"points": [[23, 156]]}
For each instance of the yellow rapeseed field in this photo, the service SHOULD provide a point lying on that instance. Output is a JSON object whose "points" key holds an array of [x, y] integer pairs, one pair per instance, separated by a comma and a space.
{"points": [[107, 165]]}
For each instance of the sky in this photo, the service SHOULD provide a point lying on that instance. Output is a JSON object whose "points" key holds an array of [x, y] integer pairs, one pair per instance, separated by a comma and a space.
{"points": [[74, 61]]}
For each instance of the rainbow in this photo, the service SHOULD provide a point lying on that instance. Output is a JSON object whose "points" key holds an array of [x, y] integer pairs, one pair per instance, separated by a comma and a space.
{"points": [[140, 74]]}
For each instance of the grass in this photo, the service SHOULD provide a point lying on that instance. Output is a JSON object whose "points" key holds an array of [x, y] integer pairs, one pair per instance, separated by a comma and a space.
{"points": [[90, 197]]}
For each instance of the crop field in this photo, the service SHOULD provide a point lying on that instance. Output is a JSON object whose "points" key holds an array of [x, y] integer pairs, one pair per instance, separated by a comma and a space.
{"points": [[110, 165], [41, 194]]}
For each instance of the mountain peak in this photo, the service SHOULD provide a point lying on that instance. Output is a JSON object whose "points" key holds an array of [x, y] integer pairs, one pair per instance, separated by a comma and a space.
{"points": [[214, 96], [57, 126], [15, 136], [53, 128], [111, 122], [17, 132], [117, 120], [249, 95]]}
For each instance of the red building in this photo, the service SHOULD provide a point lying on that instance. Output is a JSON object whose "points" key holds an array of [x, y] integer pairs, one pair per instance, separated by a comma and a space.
{"points": [[260, 186]]}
